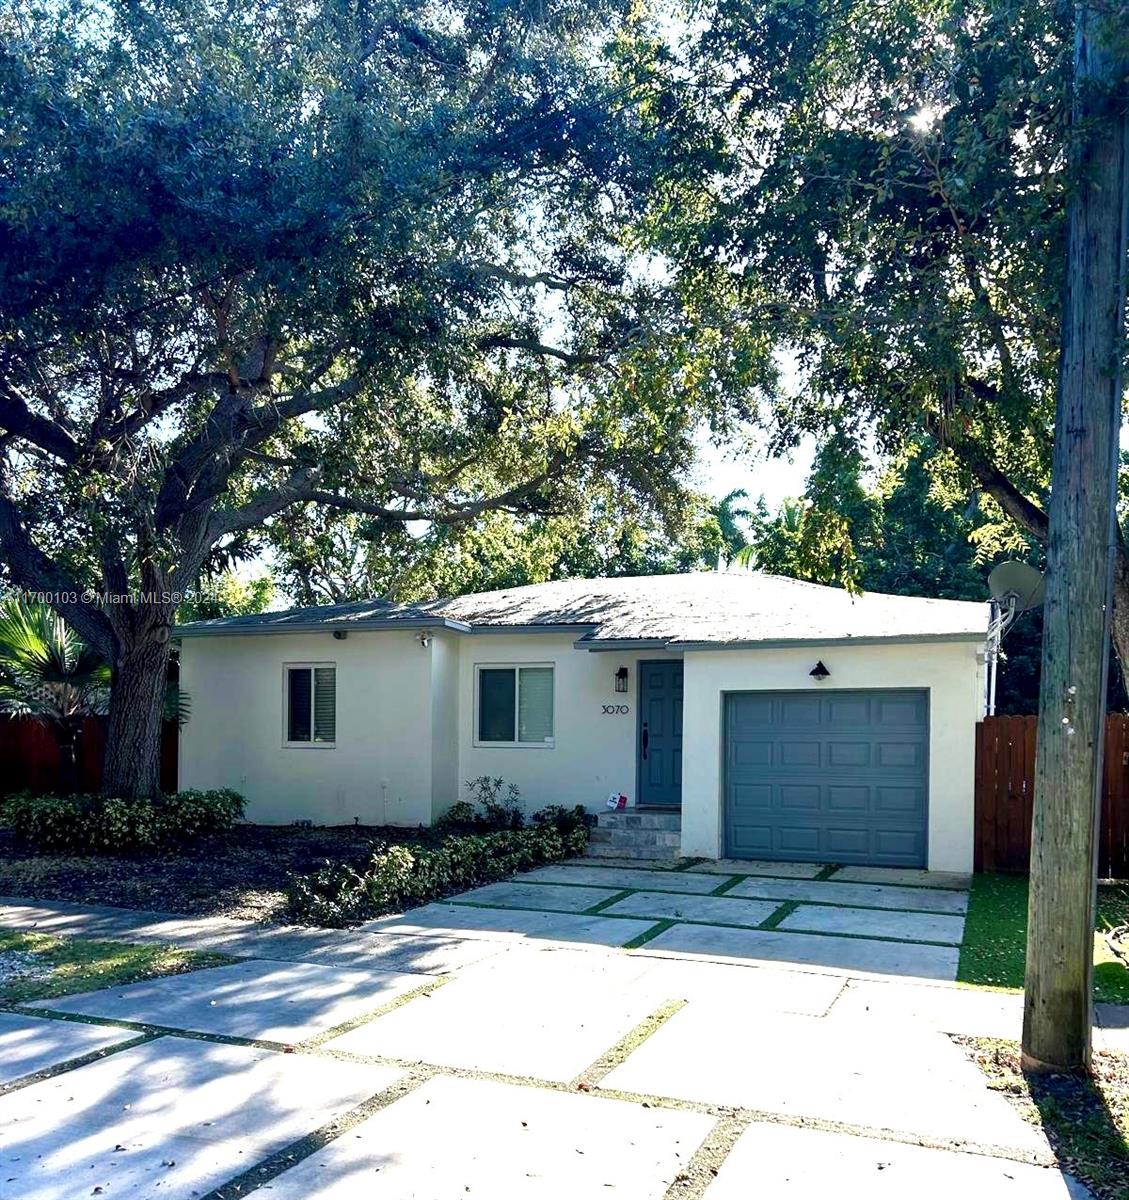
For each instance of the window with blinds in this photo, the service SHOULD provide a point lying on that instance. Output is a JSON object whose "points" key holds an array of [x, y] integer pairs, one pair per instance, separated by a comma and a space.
{"points": [[311, 704], [515, 705]]}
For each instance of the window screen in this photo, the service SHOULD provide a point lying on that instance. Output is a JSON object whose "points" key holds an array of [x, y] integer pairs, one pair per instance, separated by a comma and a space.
{"points": [[311, 704], [325, 704], [535, 704]]}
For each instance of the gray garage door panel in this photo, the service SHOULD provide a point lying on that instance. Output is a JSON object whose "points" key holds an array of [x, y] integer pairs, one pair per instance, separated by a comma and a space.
{"points": [[827, 776]]}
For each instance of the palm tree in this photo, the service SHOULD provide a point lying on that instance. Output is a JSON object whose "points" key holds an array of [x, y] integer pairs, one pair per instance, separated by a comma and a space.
{"points": [[48, 672]]}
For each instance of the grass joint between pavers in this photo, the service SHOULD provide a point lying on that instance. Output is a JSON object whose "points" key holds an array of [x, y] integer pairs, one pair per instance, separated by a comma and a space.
{"points": [[650, 934], [607, 902], [785, 910]]}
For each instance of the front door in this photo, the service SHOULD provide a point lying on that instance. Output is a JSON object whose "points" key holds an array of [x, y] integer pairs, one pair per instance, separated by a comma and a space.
{"points": [[660, 734]]}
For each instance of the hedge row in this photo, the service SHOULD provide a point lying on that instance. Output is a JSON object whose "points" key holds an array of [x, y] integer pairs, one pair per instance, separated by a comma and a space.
{"points": [[109, 825], [397, 877]]}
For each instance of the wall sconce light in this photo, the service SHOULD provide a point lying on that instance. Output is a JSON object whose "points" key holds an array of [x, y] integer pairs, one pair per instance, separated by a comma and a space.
{"points": [[819, 671], [339, 635], [621, 680], [424, 638]]}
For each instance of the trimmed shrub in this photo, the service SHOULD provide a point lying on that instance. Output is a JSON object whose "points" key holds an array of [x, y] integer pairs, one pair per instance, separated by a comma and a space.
{"points": [[398, 877], [564, 820], [84, 824]]}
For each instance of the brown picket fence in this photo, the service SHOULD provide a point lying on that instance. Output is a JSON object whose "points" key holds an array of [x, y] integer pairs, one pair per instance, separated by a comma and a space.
{"points": [[29, 756], [1005, 779]]}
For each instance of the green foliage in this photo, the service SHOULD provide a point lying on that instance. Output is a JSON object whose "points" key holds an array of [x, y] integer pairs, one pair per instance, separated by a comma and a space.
{"points": [[83, 824], [399, 876], [227, 595], [46, 670], [564, 820]]}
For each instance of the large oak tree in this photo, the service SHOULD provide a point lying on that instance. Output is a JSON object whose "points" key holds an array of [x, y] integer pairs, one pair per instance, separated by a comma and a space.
{"points": [[884, 195], [367, 255]]}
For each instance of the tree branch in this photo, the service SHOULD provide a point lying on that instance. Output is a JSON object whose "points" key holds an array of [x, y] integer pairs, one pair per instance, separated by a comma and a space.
{"points": [[18, 419]]}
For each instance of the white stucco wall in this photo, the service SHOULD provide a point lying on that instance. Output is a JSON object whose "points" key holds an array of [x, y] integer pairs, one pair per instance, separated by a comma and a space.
{"points": [[593, 752], [950, 671], [381, 767], [406, 725]]}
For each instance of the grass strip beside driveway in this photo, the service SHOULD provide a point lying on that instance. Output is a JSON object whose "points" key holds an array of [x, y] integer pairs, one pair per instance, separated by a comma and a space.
{"points": [[994, 951], [40, 966]]}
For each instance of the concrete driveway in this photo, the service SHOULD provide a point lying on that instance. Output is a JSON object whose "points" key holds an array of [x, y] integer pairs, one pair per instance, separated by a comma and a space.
{"points": [[506, 1044]]}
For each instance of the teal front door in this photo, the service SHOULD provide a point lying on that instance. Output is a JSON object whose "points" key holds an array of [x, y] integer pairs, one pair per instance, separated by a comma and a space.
{"points": [[660, 734]]}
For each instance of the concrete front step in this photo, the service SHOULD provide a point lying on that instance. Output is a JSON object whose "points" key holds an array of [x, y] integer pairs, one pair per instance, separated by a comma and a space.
{"points": [[636, 835], [669, 821], [635, 853]]}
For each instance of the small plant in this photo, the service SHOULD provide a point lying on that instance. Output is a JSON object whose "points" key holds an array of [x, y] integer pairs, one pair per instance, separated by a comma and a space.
{"points": [[499, 813], [84, 824], [487, 810]]}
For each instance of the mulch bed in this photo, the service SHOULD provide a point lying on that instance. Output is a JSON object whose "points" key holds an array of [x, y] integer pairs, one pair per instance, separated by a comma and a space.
{"points": [[244, 874]]}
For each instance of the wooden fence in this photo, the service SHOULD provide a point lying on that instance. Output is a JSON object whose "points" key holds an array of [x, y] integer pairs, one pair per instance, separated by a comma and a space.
{"points": [[29, 755], [1005, 778]]}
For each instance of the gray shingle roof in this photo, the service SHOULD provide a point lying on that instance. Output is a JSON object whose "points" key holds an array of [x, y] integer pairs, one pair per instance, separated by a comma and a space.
{"points": [[704, 608]]}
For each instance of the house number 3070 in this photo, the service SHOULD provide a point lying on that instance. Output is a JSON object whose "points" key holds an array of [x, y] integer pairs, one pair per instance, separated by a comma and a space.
{"points": [[616, 710]]}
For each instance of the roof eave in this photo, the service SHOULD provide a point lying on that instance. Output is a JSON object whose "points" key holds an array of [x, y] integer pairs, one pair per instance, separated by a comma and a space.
{"points": [[794, 643], [369, 625]]}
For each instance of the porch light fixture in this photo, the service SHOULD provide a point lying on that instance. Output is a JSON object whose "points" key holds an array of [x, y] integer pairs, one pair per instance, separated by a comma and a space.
{"points": [[424, 638], [819, 671], [621, 680]]}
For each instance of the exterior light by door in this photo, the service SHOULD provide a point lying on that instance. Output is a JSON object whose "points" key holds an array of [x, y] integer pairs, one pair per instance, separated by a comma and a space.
{"points": [[621, 680], [819, 671], [424, 638]]}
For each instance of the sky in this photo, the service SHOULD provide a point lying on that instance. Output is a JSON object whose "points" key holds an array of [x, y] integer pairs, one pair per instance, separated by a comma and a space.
{"points": [[721, 470]]}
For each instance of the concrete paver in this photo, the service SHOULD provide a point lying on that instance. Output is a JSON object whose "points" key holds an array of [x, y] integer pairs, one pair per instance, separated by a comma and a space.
{"points": [[860, 1074], [903, 875], [31, 1044], [270, 1001], [545, 897], [719, 910], [948, 1009], [811, 1164], [751, 988], [858, 894], [837, 953], [745, 866], [619, 878], [171, 1118], [543, 1015], [453, 920], [877, 923], [500, 1141]]}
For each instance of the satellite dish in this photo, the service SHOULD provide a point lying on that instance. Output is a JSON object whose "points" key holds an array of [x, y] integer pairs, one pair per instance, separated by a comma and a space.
{"points": [[1017, 585]]}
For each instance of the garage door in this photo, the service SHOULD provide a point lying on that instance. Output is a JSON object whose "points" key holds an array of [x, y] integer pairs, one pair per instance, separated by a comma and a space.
{"points": [[827, 776]]}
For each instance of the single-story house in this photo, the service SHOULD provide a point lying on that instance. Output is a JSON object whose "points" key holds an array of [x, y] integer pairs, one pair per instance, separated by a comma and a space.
{"points": [[786, 720]]}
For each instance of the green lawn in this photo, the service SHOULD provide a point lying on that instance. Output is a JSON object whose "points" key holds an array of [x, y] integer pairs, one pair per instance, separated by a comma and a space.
{"points": [[53, 966], [995, 937]]}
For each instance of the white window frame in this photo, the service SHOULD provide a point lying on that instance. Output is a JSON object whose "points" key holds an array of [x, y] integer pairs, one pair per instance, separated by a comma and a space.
{"points": [[516, 667], [287, 667]]}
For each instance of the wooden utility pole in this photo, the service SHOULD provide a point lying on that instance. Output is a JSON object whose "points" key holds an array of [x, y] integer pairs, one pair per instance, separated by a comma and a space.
{"points": [[1080, 554]]}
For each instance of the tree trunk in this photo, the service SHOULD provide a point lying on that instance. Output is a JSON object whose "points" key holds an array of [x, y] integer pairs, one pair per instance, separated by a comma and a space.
{"points": [[132, 766], [1082, 552], [68, 730]]}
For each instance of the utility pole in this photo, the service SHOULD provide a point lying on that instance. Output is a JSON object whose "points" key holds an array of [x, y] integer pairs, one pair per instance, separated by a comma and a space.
{"points": [[1057, 1012]]}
